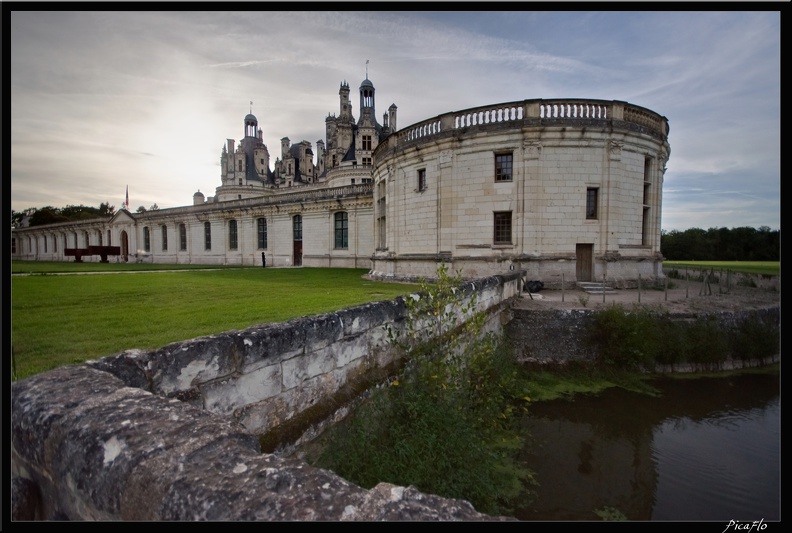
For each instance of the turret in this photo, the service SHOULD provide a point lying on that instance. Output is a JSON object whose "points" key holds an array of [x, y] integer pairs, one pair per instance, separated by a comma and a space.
{"points": [[392, 117], [346, 109], [367, 98]]}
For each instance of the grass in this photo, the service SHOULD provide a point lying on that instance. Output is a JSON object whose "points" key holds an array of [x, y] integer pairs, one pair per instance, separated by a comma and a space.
{"points": [[770, 268], [63, 319], [56, 267]]}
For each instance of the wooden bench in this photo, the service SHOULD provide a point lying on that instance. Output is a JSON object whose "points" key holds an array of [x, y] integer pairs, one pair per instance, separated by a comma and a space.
{"points": [[101, 251]]}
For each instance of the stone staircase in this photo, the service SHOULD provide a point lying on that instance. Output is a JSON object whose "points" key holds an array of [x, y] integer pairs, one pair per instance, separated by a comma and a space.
{"points": [[593, 287]]}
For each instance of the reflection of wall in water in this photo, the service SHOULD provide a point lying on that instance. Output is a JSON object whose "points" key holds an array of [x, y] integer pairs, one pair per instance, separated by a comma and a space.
{"points": [[592, 470]]}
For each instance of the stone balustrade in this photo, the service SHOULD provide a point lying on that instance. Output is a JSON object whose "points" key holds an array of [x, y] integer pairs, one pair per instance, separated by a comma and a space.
{"points": [[538, 112]]}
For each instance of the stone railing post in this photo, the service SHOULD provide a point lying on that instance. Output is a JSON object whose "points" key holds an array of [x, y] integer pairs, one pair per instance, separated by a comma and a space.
{"points": [[532, 109], [447, 122], [617, 110]]}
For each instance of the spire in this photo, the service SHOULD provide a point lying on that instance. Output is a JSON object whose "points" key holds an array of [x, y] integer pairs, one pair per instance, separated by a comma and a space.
{"points": [[367, 61]]}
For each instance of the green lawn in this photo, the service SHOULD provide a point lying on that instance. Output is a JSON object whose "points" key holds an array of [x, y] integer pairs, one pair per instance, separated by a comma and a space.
{"points": [[770, 268], [49, 267], [62, 319]]}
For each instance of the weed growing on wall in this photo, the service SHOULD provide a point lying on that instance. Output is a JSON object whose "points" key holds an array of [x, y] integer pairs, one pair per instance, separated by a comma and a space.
{"points": [[445, 423], [639, 338]]}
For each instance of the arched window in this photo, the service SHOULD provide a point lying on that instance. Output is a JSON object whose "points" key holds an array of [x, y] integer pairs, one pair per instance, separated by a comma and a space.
{"points": [[233, 242], [207, 235], [341, 230], [262, 233]]}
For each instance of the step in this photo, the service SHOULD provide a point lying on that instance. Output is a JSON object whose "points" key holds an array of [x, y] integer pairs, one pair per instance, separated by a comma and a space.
{"points": [[592, 287]]}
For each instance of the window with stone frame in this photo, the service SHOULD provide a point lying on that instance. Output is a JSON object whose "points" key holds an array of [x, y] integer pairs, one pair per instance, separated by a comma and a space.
{"points": [[207, 235], [422, 179], [233, 242], [341, 230], [182, 237], [146, 239], [261, 224], [592, 199], [502, 227], [503, 166], [365, 142], [164, 238]]}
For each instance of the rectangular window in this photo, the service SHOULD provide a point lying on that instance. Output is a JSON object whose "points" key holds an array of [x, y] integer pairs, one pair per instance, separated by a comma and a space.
{"points": [[422, 179], [366, 161], [164, 238], [341, 231], [109, 242], [45, 244], [366, 142], [262, 233], [503, 167], [55, 243], [146, 239], [232, 235], [13, 246], [207, 236], [99, 234], [502, 227], [591, 203], [182, 237]]}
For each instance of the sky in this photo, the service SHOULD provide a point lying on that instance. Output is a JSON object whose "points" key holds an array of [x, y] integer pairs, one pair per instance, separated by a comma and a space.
{"points": [[102, 101]]}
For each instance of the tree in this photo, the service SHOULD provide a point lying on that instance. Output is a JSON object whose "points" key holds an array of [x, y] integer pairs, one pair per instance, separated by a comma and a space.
{"points": [[141, 209], [106, 209]]}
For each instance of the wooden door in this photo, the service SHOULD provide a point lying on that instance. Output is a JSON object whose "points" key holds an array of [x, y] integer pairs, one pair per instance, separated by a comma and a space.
{"points": [[125, 246], [584, 255]]}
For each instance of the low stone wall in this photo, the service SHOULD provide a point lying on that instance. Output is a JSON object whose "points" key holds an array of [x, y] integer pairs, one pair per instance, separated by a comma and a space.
{"points": [[555, 336], [174, 433]]}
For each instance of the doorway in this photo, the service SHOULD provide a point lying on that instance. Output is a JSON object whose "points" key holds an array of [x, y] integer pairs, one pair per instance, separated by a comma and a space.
{"points": [[297, 232], [125, 246], [584, 266]]}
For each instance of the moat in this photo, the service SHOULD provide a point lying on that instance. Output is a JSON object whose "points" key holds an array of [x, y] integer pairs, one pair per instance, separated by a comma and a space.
{"points": [[706, 449]]}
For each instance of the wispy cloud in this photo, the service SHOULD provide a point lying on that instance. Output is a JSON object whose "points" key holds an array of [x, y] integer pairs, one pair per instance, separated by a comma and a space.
{"points": [[150, 97]]}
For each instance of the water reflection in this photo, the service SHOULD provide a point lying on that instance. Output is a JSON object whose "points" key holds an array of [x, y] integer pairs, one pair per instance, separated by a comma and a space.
{"points": [[707, 449]]}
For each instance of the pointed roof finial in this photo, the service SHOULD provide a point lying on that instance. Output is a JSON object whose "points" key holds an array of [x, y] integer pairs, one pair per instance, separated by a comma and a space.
{"points": [[367, 68], [251, 107]]}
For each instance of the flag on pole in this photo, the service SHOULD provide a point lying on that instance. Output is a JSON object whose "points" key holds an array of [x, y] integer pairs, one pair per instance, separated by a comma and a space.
{"points": [[126, 202]]}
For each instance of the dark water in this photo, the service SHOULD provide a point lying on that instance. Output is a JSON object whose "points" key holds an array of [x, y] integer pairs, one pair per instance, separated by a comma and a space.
{"points": [[708, 449]]}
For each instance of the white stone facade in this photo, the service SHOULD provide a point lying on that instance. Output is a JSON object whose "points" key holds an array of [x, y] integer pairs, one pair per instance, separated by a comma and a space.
{"points": [[568, 190]]}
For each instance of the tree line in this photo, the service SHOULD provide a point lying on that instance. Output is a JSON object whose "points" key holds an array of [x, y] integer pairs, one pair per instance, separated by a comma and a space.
{"points": [[721, 244], [37, 216]]}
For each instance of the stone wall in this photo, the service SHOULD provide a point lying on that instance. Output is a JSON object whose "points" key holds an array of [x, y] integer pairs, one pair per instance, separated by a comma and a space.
{"points": [[555, 336], [176, 433]]}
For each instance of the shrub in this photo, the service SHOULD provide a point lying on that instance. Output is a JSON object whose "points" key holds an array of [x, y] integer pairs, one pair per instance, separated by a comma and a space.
{"points": [[706, 341], [445, 424], [626, 340], [754, 339]]}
